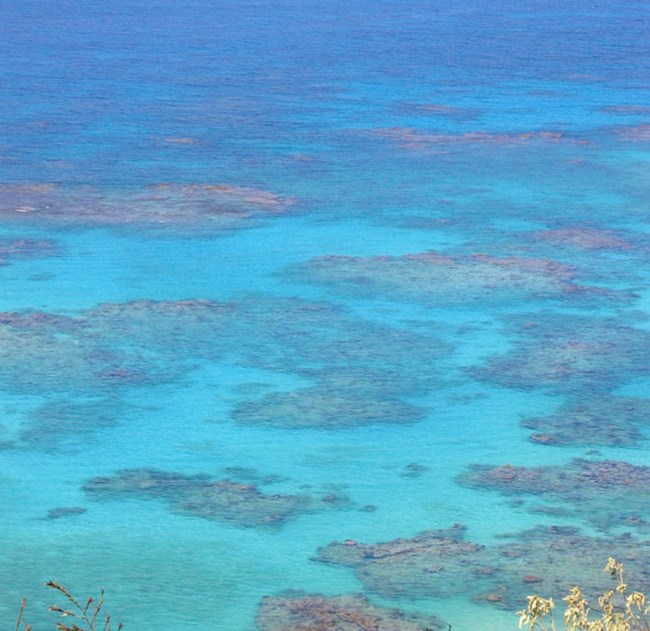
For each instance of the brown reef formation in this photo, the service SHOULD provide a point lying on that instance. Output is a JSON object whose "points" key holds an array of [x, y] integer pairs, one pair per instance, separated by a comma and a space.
{"points": [[221, 500], [603, 493], [324, 407], [438, 563], [357, 372], [638, 133], [595, 420], [162, 207], [438, 278], [59, 422], [14, 249], [296, 611], [360, 372], [586, 238], [418, 139], [436, 109], [569, 354], [626, 110]]}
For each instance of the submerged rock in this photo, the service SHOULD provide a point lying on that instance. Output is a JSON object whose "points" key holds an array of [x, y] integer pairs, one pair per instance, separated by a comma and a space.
{"points": [[65, 511], [414, 470]]}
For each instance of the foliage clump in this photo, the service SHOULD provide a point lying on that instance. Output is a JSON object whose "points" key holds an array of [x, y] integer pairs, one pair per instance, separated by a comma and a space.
{"points": [[86, 615], [620, 609]]}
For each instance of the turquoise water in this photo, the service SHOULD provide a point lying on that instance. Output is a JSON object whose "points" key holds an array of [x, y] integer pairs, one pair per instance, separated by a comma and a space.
{"points": [[333, 254]]}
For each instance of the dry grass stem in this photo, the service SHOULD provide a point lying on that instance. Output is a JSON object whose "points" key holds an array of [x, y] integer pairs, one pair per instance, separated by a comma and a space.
{"points": [[619, 609]]}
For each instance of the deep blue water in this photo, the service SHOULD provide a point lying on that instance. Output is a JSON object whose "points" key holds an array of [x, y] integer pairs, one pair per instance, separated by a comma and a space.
{"points": [[330, 255]]}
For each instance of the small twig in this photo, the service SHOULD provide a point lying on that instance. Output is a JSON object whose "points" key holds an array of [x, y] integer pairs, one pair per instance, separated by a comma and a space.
{"points": [[20, 615]]}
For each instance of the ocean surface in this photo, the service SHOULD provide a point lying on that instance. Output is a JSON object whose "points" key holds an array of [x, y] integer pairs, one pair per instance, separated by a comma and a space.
{"points": [[319, 297]]}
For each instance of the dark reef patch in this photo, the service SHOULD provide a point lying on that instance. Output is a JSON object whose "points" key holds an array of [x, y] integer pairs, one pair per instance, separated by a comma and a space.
{"points": [[297, 611], [594, 420], [65, 511], [180, 329], [637, 133], [414, 470], [357, 371], [221, 500], [202, 208], [606, 493], [15, 249], [437, 278], [324, 408], [59, 421], [424, 566], [569, 354], [435, 110], [419, 139], [44, 353], [585, 238], [626, 110], [439, 563]]}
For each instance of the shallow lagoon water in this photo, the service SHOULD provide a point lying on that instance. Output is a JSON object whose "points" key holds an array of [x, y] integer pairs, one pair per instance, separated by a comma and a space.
{"points": [[495, 158]]}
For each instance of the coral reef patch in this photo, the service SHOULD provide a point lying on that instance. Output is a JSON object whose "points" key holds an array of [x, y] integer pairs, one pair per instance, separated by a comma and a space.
{"points": [[597, 492], [324, 407], [297, 611], [436, 109], [360, 372], [221, 500], [440, 563], [596, 420], [414, 139], [158, 208], [65, 511], [569, 354], [15, 249], [437, 278], [60, 421], [584, 237], [638, 133]]}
